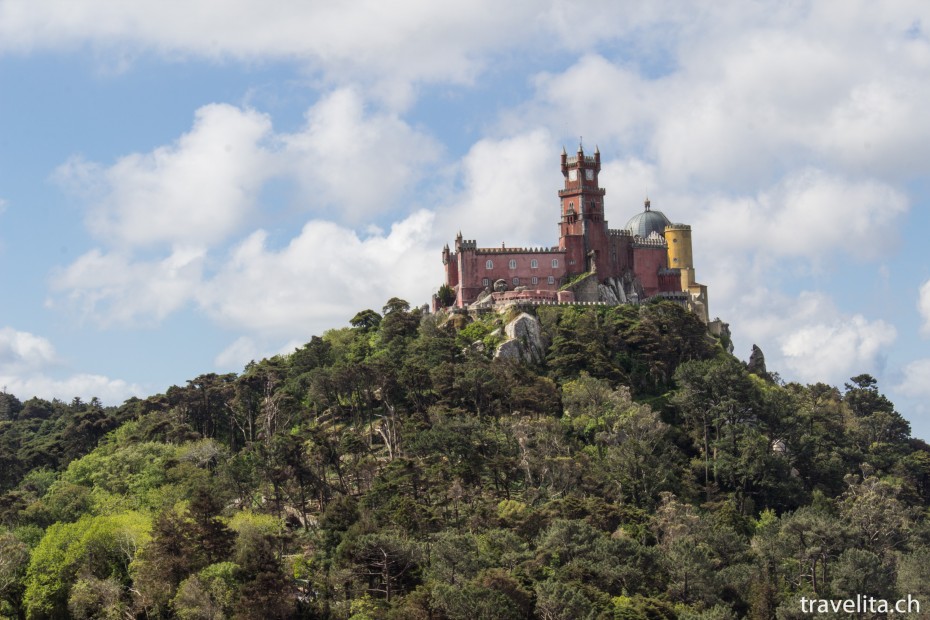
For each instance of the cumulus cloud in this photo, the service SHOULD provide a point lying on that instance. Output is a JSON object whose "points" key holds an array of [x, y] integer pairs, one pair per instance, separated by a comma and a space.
{"points": [[808, 338], [27, 366], [916, 380], [390, 44], [809, 214], [508, 192], [82, 385], [24, 351], [166, 218], [115, 289], [196, 191], [743, 94], [353, 163], [321, 278]]}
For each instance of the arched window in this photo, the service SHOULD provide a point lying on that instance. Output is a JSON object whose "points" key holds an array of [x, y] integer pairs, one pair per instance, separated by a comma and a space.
{"points": [[516, 281], [513, 264], [489, 265], [534, 264], [551, 280], [555, 263]]}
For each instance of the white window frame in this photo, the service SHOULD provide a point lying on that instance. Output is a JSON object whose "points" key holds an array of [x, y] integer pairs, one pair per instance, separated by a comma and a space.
{"points": [[555, 263], [535, 280], [551, 279], [534, 264], [489, 264], [512, 264], [485, 282]]}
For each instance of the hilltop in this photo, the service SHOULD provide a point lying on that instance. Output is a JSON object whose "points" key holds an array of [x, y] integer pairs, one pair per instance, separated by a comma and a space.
{"points": [[618, 462]]}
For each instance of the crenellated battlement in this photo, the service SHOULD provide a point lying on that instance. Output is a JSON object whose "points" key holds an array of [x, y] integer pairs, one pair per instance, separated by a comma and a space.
{"points": [[519, 251], [588, 159], [650, 242], [622, 232]]}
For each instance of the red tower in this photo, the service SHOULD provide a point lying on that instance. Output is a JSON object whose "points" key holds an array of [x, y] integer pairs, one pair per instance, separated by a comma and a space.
{"points": [[583, 229]]}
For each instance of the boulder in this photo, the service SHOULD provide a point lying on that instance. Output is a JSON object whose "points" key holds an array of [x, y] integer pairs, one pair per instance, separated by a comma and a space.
{"points": [[524, 340]]}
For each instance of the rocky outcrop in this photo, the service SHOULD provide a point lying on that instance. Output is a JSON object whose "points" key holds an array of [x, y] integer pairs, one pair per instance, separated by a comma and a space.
{"points": [[622, 290], [524, 340], [756, 363]]}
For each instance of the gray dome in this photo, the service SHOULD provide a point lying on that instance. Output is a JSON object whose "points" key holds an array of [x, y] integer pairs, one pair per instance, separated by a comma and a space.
{"points": [[649, 221]]}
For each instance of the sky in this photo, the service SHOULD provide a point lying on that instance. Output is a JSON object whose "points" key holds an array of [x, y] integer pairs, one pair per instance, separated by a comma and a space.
{"points": [[187, 186]]}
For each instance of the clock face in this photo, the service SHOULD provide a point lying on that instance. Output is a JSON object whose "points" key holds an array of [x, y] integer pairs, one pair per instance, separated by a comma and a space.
{"points": [[589, 174], [573, 174]]}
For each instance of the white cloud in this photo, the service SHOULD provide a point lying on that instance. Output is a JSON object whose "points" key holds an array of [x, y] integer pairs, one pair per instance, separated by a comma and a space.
{"points": [[916, 380], [354, 164], [809, 214], [842, 346], [24, 351], [390, 44], [26, 361], [196, 191], [923, 305], [509, 193], [321, 278], [808, 338], [112, 288], [3, 205], [744, 93], [83, 385]]}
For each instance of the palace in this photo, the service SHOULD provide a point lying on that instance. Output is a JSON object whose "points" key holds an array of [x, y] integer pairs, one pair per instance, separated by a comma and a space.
{"points": [[650, 257]]}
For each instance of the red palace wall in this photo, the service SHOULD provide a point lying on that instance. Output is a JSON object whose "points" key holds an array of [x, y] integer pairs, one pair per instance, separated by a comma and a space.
{"points": [[647, 261], [473, 270]]}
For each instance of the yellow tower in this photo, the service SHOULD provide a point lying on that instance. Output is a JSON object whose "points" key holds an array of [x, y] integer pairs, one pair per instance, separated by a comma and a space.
{"points": [[678, 240]]}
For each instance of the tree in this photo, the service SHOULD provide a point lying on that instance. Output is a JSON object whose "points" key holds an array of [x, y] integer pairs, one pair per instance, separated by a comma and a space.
{"points": [[92, 548], [446, 296], [366, 320], [874, 417], [14, 559], [388, 564]]}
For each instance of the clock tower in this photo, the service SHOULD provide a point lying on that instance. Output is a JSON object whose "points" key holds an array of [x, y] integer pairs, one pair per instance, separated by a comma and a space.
{"points": [[583, 229]]}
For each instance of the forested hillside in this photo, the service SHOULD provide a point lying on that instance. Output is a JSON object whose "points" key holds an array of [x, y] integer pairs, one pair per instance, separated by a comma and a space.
{"points": [[395, 469]]}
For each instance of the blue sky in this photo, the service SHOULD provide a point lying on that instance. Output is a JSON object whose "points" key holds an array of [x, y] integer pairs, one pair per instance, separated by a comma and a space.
{"points": [[187, 186]]}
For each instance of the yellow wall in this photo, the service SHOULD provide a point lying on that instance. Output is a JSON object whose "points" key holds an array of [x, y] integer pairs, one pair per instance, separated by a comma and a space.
{"points": [[678, 239]]}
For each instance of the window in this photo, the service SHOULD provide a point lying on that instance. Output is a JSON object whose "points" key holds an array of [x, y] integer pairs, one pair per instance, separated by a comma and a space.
{"points": [[489, 265], [516, 281], [513, 264], [535, 280], [551, 280], [485, 282], [534, 264], [555, 263]]}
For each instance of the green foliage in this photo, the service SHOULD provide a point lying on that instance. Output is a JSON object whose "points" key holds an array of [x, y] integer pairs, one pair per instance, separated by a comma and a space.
{"points": [[390, 470], [446, 296], [100, 546]]}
